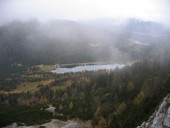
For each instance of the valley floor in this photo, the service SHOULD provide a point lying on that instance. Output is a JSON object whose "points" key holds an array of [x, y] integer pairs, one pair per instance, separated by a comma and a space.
{"points": [[112, 99]]}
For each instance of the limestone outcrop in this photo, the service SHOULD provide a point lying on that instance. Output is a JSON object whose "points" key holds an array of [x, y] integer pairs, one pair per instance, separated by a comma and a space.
{"points": [[161, 117]]}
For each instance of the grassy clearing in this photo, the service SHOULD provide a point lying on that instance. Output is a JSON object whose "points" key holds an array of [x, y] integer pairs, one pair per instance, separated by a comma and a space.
{"points": [[29, 86], [46, 68]]}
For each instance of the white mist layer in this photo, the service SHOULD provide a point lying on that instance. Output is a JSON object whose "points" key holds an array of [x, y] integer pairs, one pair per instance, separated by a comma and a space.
{"points": [[88, 68]]}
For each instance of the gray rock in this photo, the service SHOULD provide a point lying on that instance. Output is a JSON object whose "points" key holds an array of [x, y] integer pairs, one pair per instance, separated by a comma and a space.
{"points": [[143, 124], [167, 119], [50, 109], [73, 125], [161, 117], [54, 124]]}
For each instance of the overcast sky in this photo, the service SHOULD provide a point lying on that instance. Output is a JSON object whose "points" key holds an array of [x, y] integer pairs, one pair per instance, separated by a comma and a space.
{"points": [[43, 10]]}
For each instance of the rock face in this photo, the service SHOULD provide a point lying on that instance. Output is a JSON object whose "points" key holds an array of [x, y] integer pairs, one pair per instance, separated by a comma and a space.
{"points": [[50, 108], [160, 118], [54, 124]]}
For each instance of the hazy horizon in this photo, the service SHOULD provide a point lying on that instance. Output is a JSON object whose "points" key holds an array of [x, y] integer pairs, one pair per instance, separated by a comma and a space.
{"points": [[91, 30], [81, 10]]}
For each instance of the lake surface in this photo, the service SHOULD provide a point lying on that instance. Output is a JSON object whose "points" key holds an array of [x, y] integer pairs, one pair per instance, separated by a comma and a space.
{"points": [[88, 68]]}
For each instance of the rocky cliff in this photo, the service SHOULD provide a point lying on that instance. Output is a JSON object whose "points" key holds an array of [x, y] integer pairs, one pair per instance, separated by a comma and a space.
{"points": [[161, 117], [56, 124]]}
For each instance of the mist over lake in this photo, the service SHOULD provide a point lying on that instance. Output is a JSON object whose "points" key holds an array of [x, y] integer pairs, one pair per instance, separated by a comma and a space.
{"points": [[88, 68]]}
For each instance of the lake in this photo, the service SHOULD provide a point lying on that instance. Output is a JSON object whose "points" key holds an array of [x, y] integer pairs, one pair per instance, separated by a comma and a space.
{"points": [[88, 68]]}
